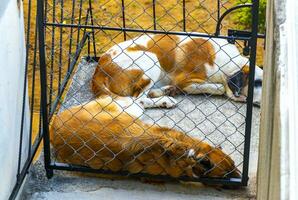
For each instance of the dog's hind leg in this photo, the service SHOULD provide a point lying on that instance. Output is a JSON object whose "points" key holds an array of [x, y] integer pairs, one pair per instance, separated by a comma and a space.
{"points": [[204, 88]]}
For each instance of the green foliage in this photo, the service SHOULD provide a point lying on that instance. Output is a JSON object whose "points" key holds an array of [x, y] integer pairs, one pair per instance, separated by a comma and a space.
{"points": [[243, 16]]}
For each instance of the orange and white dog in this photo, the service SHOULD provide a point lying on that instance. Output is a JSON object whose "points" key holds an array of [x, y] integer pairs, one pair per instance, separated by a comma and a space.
{"points": [[154, 67], [101, 134], [108, 133]]}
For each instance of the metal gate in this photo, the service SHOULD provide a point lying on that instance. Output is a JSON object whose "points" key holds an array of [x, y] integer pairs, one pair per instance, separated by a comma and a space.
{"points": [[69, 29]]}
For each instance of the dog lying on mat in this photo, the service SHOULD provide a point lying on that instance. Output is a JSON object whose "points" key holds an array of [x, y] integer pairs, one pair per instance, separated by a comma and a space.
{"points": [[107, 133], [152, 66]]}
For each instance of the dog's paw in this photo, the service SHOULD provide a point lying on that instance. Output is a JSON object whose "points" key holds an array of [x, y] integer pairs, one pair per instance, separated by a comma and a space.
{"points": [[160, 102], [241, 98], [170, 90], [146, 102], [166, 102], [154, 93]]}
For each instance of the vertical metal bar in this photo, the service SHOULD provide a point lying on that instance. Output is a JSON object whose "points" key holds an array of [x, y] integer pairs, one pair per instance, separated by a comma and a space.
{"points": [[24, 93], [25, 82], [33, 89], [218, 10], [79, 22], [88, 47], [93, 33], [253, 42], [184, 20], [88, 36], [52, 55], [43, 85], [45, 13], [60, 46], [123, 18], [71, 35], [154, 14]]}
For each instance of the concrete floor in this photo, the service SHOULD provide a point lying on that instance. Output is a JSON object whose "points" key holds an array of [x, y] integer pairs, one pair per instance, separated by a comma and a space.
{"points": [[213, 119]]}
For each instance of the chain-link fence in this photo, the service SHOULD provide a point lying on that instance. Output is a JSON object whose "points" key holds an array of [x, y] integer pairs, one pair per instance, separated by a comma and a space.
{"points": [[148, 88]]}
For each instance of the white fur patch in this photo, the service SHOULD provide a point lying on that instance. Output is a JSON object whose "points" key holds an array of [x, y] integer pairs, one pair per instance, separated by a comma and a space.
{"points": [[160, 102], [191, 153], [130, 106]]}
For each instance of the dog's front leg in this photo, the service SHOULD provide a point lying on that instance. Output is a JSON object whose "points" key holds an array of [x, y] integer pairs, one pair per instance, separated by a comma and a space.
{"points": [[204, 88], [159, 102]]}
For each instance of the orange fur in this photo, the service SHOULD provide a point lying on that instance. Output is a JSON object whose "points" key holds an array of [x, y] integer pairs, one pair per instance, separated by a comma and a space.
{"points": [[164, 47], [110, 79], [184, 62], [245, 69], [101, 136]]}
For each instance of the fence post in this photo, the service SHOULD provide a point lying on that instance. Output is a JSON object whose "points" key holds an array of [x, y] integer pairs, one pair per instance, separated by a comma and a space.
{"points": [[43, 85]]}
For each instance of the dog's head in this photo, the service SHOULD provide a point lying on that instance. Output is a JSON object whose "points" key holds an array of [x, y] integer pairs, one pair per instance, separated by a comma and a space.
{"points": [[213, 162], [238, 83], [110, 78]]}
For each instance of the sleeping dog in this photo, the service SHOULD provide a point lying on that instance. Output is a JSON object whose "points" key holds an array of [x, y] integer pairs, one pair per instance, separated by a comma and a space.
{"points": [[107, 134], [153, 66]]}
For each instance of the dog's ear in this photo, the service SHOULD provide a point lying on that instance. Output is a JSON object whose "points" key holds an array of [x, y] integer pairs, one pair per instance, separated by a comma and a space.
{"points": [[134, 74], [105, 59], [140, 86]]}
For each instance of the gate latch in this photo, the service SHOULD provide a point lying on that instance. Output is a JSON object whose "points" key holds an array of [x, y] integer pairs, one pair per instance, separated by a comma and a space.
{"points": [[234, 34]]}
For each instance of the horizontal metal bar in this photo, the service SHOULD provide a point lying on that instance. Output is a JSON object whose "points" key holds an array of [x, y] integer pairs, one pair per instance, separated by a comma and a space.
{"points": [[193, 34], [262, 36], [77, 168], [240, 33], [25, 168]]}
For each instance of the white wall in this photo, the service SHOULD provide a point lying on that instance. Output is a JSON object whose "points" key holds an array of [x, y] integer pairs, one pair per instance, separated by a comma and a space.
{"points": [[12, 59], [278, 153]]}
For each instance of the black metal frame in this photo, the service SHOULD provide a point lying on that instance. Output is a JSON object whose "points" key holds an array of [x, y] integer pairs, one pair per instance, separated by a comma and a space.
{"points": [[48, 106], [251, 38]]}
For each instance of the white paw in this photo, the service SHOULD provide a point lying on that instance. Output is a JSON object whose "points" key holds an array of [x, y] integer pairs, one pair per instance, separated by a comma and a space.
{"points": [[241, 98], [166, 102], [146, 102], [155, 93], [160, 102]]}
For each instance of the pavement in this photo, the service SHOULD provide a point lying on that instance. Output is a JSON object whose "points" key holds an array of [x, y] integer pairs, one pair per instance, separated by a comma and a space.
{"points": [[214, 119]]}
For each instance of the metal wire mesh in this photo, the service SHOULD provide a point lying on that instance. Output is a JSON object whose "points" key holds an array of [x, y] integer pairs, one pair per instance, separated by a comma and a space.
{"points": [[90, 28]]}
